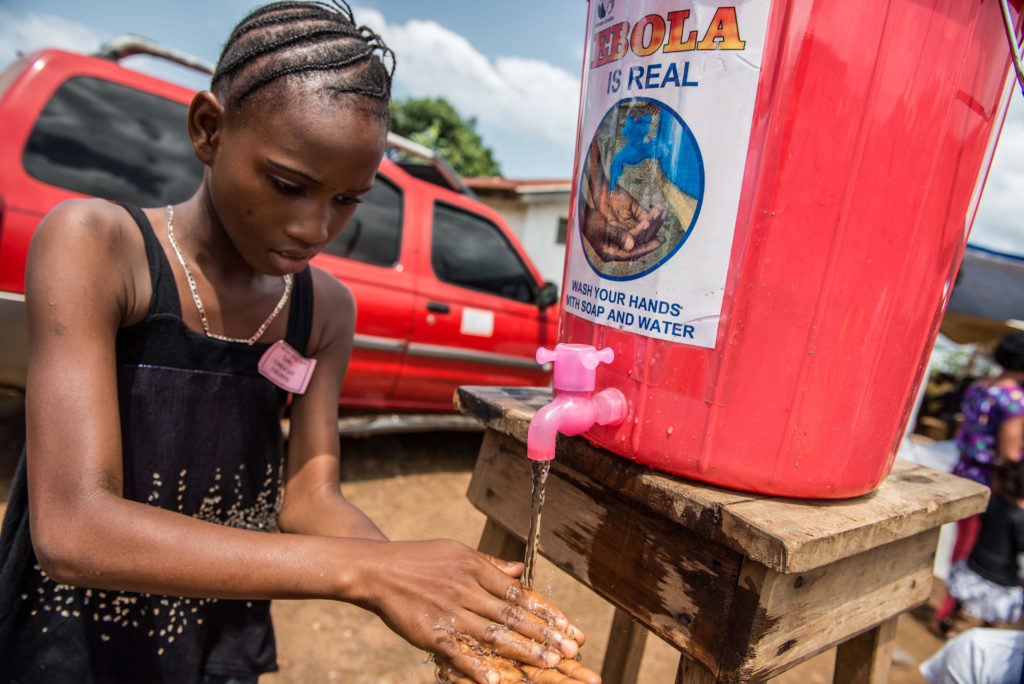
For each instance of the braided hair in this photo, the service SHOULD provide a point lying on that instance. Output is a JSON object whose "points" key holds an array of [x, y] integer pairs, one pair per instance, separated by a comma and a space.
{"points": [[316, 42]]}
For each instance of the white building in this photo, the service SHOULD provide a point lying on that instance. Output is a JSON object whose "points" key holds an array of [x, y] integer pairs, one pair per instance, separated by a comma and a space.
{"points": [[538, 213]]}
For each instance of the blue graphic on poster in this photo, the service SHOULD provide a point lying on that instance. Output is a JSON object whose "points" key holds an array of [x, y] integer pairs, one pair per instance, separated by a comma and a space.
{"points": [[641, 189]]}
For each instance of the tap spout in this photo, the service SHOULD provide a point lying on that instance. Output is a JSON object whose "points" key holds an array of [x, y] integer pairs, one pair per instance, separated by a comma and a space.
{"points": [[572, 413]]}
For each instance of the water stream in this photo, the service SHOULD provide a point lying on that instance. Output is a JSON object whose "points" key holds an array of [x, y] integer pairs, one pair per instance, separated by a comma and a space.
{"points": [[540, 478]]}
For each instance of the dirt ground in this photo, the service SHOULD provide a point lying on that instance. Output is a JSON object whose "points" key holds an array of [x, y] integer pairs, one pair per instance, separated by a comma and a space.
{"points": [[414, 487]]}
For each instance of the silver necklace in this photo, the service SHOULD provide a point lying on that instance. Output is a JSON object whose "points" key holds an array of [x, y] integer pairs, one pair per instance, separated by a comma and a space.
{"points": [[199, 302]]}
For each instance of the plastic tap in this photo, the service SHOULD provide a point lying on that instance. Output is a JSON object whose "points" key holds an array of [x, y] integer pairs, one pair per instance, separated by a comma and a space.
{"points": [[575, 408]]}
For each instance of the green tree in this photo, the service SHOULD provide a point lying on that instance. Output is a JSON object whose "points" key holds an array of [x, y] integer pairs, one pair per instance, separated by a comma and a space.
{"points": [[434, 123]]}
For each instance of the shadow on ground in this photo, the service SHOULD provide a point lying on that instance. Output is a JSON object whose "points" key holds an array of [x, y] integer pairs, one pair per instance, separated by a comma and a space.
{"points": [[371, 458]]}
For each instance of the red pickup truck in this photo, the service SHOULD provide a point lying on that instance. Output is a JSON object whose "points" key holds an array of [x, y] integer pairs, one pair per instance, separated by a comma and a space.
{"points": [[446, 294]]}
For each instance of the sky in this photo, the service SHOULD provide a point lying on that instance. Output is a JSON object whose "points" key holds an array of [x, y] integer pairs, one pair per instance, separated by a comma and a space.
{"points": [[512, 66]]}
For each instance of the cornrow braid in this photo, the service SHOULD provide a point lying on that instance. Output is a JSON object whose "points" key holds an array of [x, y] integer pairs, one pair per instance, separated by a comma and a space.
{"points": [[319, 40], [241, 58], [311, 8]]}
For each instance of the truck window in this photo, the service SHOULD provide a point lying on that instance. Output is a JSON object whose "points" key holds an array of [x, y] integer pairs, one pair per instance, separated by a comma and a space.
{"points": [[104, 139], [374, 233], [470, 251]]}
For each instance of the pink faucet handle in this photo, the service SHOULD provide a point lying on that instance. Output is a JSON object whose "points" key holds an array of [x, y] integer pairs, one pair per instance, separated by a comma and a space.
{"points": [[574, 365], [606, 355], [574, 409], [545, 355]]}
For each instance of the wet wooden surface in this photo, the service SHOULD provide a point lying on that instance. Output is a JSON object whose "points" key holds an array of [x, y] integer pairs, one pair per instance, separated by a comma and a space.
{"points": [[788, 535], [677, 584], [744, 585]]}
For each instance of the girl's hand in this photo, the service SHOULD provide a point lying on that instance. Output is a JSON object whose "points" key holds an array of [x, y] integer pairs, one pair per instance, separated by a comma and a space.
{"points": [[567, 672], [465, 607]]}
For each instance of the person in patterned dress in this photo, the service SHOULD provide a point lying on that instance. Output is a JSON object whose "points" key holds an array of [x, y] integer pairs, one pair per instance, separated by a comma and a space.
{"points": [[992, 433]]}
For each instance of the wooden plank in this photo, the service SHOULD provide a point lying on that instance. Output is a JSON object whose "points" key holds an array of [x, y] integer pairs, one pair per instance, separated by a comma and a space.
{"points": [[505, 409], [697, 505], [867, 659], [692, 672], [676, 583], [500, 543], [780, 620], [626, 641], [792, 535], [788, 535]]}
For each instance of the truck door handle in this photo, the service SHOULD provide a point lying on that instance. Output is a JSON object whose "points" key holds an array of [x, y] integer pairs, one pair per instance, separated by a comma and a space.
{"points": [[438, 307]]}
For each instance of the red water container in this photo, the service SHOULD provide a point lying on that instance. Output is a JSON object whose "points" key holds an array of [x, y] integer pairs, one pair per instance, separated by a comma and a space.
{"points": [[872, 130]]}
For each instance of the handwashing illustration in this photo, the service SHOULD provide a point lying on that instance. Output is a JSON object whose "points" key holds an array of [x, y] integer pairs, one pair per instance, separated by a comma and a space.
{"points": [[640, 189]]}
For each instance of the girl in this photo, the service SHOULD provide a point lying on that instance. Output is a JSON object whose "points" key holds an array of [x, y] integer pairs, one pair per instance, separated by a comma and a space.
{"points": [[135, 546], [992, 433], [987, 585], [993, 408]]}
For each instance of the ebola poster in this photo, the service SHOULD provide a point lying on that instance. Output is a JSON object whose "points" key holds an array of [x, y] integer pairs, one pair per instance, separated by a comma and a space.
{"points": [[668, 100]]}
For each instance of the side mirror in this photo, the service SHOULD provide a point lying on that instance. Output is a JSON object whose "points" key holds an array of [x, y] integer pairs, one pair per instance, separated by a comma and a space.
{"points": [[548, 295]]}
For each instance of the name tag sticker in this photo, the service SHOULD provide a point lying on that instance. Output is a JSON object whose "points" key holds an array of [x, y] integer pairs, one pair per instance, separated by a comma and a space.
{"points": [[286, 368]]}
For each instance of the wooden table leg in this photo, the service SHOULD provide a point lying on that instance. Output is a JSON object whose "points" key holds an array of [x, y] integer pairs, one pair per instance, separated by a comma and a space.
{"points": [[867, 658], [693, 672], [497, 541], [625, 649]]}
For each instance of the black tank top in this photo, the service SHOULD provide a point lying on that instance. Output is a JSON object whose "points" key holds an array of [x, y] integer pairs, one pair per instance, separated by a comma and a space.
{"points": [[200, 435]]}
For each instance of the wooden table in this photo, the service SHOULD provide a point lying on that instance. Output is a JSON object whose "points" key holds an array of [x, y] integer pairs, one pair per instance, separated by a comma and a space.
{"points": [[745, 586]]}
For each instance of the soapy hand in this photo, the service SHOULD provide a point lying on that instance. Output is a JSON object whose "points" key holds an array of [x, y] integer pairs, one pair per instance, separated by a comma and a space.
{"points": [[468, 609], [566, 672]]}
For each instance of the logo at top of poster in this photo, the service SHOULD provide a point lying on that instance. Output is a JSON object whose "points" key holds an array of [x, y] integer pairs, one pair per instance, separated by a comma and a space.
{"points": [[604, 8], [641, 188]]}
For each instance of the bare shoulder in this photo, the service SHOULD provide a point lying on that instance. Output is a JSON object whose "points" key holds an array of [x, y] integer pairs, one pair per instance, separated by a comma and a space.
{"points": [[92, 242], [334, 311], [331, 292], [90, 227]]}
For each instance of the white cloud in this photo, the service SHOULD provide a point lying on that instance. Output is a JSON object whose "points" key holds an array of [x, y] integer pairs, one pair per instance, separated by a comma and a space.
{"points": [[28, 32], [1000, 221], [525, 97], [23, 33]]}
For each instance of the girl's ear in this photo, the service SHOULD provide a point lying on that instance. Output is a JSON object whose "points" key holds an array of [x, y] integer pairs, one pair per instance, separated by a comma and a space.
{"points": [[205, 120]]}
